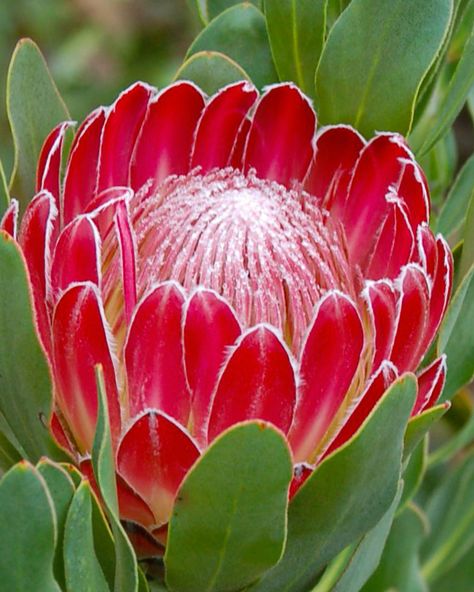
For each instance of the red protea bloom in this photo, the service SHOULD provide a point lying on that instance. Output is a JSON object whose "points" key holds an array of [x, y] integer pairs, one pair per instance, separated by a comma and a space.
{"points": [[224, 263]]}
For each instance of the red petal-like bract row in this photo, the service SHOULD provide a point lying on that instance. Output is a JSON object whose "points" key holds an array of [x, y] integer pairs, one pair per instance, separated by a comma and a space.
{"points": [[181, 360]]}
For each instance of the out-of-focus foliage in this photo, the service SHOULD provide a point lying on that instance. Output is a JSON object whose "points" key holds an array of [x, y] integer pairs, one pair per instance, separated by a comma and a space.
{"points": [[95, 48]]}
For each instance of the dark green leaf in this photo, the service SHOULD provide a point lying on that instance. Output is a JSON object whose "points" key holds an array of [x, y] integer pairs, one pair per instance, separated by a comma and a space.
{"points": [[454, 444], [456, 337], [34, 107], [443, 109], [414, 472], [347, 494], [126, 576], [360, 80], [362, 559], [439, 165], [240, 33], [470, 102], [453, 212], [419, 425], [27, 532], [4, 194], [142, 582], [399, 567], [83, 570], [215, 7], [459, 578], [229, 520], [211, 70], [61, 488], [24, 375], [8, 453], [103, 541], [334, 10], [199, 8], [467, 257], [450, 511], [297, 29], [73, 472]]}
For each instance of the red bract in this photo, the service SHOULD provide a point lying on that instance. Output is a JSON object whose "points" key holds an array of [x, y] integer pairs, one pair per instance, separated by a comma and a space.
{"points": [[223, 262]]}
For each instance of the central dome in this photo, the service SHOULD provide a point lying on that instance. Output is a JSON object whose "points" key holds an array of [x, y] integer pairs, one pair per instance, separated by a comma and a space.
{"points": [[269, 251]]}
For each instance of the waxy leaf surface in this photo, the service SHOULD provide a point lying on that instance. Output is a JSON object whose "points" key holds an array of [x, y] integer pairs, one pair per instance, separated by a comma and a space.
{"points": [[61, 488], [28, 531], [297, 29], [211, 70], [346, 495], [229, 520], [24, 375], [360, 79], [240, 34], [34, 107], [456, 337], [83, 570]]}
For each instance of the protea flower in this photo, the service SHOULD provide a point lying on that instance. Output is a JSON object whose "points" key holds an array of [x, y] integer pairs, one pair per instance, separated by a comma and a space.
{"points": [[224, 263]]}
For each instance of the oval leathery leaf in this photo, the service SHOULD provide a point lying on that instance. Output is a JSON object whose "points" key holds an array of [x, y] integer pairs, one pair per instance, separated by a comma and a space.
{"points": [[34, 107], [297, 30], [126, 570], [347, 494], [211, 70], [456, 337], [25, 381], [82, 568], [240, 33], [228, 524], [61, 487], [27, 522], [368, 43]]}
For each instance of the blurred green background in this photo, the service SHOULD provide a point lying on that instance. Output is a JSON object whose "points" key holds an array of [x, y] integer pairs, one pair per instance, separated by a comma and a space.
{"points": [[95, 48]]}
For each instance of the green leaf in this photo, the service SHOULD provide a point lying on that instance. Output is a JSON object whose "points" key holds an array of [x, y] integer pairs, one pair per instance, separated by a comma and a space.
{"points": [[456, 337], [347, 494], [467, 257], [142, 582], [459, 578], [470, 102], [61, 489], [334, 10], [83, 571], [453, 212], [414, 472], [73, 472], [454, 444], [8, 454], [439, 165], [34, 107], [215, 7], [211, 70], [419, 425], [24, 375], [297, 29], [363, 558], [229, 520], [450, 511], [27, 531], [4, 193], [240, 33], [360, 80], [446, 103], [199, 9], [399, 567], [126, 576], [103, 541]]}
